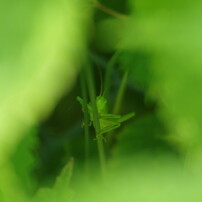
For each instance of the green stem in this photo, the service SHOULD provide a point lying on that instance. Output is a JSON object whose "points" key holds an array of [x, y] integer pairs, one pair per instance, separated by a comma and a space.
{"points": [[120, 94], [96, 121], [119, 100], [86, 121], [108, 74]]}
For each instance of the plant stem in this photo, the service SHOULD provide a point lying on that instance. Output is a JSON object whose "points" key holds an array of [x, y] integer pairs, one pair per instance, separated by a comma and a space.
{"points": [[109, 11], [96, 121], [108, 74], [119, 100], [86, 121], [120, 94]]}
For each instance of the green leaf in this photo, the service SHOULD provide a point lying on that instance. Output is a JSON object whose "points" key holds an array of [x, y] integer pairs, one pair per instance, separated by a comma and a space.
{"points": [[170, 34], [138, 64], [144, 137], [61, 191], [24, 160], [38, 62], [109, 32], [42, 46]]}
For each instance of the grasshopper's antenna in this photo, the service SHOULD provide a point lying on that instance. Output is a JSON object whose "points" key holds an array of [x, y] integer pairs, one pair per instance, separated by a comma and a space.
{"points": [[101, 82], [104, 92], [101, 79], [100, 74]]}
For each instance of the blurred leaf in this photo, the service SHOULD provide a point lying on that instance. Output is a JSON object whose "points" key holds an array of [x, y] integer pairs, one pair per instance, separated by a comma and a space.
{"points": [[170, 33], [138, 64], [64, 179], [42, 45], [61, 191], [149, 183], [146, 137], [24, 160], [109, 32]]}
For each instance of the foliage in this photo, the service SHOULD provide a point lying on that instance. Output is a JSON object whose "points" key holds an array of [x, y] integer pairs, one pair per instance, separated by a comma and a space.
{"points": [[136, 56]]}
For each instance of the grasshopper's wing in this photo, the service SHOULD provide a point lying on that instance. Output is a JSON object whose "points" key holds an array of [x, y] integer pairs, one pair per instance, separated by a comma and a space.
{"points": [[110, 116], [118, 118]]}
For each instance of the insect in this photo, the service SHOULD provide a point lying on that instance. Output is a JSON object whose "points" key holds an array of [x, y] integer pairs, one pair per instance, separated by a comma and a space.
{"points": [[108, 122]]}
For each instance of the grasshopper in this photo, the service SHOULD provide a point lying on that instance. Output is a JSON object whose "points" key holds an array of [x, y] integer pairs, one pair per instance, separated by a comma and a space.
{"points": [[108, 122]]}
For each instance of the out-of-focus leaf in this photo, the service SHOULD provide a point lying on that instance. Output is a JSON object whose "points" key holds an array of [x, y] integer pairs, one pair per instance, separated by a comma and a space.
{"points": [[170, 33], [24, 160], [109, 32], [152, 182], [42, 45], [64, 179], [146, 137], [61, 191], [138, 64]]}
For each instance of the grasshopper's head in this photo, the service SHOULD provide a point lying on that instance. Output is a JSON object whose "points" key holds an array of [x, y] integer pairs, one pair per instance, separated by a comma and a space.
{"points": [[101, 104]]}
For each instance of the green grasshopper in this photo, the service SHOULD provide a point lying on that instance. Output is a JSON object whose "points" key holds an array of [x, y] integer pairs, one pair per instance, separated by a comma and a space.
{"points": [[108, 122]]}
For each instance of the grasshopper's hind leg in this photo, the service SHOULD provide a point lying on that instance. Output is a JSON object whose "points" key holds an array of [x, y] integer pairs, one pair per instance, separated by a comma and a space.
{"points": [[109, 128]]}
